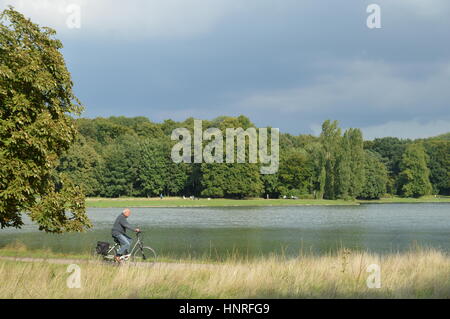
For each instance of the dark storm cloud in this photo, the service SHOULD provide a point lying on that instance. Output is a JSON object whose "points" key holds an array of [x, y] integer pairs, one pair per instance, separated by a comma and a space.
{"points": [[287, 64]]}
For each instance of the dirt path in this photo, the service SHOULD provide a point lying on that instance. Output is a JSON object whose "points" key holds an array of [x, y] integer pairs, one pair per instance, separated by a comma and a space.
{"points": [[64, 261]]}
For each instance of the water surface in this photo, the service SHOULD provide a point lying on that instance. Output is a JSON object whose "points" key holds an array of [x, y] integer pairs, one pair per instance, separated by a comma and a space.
{"points": [[252, 231]]}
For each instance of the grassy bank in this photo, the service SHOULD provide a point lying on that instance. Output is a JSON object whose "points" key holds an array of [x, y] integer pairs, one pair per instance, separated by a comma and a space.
{"points": [[179, 202], [425, 199], [416, 274]]}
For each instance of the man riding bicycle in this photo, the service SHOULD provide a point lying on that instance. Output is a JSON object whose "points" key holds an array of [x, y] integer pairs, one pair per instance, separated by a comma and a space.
{"points": [[119, 233]]}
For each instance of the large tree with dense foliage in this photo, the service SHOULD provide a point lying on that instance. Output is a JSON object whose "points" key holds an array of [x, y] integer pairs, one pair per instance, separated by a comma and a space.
{"points": [[231, 180], [119, 173], [237, 180], [356, 158], [295, 175], [375, 177], [414, 176], [349, 167], [438, 151], [83, 166], [153, 172], [340, 173], [36, 99], [157, 173], [330, 138], [391, 150]]}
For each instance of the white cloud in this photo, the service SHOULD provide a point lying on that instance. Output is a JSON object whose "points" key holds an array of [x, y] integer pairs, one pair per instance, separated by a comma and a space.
{"points": [[359, 86], [402, 129], [133, 17], [389, 102], [429, 9], [410, 129]]}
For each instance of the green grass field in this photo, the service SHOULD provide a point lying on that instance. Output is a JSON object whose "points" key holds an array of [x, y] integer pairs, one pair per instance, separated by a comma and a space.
{"points": [[179, 202]]}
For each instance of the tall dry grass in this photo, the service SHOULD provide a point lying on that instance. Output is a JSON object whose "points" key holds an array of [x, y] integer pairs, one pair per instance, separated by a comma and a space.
{"points": [[421, 273]]}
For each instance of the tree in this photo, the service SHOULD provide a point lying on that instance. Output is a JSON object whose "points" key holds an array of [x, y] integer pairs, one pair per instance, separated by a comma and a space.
{"points": [[391, 150], [295, 173], [316, 155], [354, 157], [236, 180], [271, 185], [414, 176], [82, 164], [338, 164], [157, 173], [375, 177], [231, 180], [438, 151], [102, 130], [120, 170], [342, 171], [330, 138], [152, 171], [36, 98]]}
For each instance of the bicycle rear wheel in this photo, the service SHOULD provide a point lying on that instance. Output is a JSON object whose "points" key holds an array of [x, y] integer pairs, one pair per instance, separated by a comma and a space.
{"points": [[110, 255], [94, 254], [144, 254]]}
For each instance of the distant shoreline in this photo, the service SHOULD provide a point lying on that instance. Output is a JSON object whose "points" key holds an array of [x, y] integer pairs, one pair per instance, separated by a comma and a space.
{"points": [[204, 202]]}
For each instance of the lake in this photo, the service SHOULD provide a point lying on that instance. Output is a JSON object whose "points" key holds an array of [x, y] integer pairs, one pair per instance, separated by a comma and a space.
{"points": [[252, 231]]}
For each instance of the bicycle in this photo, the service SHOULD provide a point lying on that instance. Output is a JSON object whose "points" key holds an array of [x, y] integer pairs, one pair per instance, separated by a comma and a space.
{"points": [[138, 253]]}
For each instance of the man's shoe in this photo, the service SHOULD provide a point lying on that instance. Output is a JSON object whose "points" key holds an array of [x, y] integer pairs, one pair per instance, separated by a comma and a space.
{"points": [[117, 259]]}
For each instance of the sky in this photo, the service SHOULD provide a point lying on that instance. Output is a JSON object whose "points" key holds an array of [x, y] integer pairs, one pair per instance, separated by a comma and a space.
{"points": [[289, 64]]}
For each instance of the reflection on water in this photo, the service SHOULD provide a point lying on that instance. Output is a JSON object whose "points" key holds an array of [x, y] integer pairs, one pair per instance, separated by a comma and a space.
{"points": [[261, 230]]}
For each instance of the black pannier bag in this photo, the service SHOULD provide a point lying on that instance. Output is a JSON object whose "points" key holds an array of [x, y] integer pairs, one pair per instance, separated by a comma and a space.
{"points": [[102, 248]]}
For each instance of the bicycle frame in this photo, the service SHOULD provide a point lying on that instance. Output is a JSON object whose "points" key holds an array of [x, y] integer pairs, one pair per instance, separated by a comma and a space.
{"points": [[126, 257]]}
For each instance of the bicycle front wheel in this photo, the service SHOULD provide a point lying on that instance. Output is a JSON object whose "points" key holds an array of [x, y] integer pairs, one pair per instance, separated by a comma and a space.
{"points": [[146, 254]]}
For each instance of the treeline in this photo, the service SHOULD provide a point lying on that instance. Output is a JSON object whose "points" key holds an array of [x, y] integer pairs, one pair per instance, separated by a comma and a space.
{"points": [[121, 156]]}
